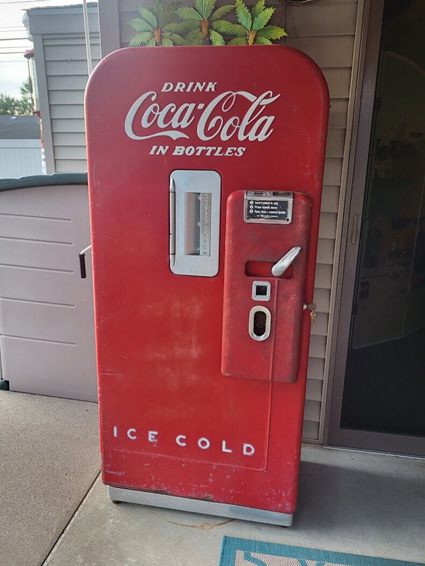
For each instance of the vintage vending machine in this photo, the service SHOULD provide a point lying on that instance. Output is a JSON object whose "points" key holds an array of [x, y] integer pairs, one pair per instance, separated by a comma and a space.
{"points": [[205, 179]]}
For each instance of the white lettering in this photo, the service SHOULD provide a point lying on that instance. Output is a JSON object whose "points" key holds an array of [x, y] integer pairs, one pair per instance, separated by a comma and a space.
{"points": [[183, 116], [115, 431], [189, 87], [181, 440], [135, 107], [248, 449], [204, 443], [214, 121], [131, 433], [224, 447], [152, 436], [147, 120], [163, 115]]}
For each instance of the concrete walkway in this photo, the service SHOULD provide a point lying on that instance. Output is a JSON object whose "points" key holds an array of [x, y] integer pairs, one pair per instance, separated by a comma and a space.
{"points": [[48, 461], [349, 502], [53, 514]]}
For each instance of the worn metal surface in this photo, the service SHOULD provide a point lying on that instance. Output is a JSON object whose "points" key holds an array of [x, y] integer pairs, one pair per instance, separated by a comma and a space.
{"points": [[171, 422]]}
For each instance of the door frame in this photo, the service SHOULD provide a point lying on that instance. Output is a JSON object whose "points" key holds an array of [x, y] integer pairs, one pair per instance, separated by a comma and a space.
{"points": [[350, 248]]}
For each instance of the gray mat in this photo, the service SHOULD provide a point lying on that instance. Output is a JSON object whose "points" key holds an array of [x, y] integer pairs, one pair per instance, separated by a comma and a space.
{"points": [[48, 460]]}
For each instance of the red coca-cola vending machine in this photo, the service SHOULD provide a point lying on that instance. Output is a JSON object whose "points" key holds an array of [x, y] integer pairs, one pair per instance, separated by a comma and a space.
{"points": [[205, 176]]}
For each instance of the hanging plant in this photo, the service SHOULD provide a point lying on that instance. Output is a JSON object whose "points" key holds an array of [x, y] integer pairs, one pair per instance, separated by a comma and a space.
{"points": [[157, 26], [201, 22], [253, 28]]}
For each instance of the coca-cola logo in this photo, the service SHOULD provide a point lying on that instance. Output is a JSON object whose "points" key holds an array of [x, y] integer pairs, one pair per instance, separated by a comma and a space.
{"points": [[232, 115]]}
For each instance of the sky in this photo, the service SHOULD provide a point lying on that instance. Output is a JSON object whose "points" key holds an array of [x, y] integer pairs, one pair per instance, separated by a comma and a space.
{"points": [[14, 41]]}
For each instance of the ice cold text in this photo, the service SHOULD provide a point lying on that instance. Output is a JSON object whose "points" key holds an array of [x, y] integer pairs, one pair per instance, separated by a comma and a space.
{"points": [[183, 440]]}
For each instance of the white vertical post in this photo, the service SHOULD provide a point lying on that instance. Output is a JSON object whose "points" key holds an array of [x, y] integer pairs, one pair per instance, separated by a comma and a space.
{"points": [[87, 37]]}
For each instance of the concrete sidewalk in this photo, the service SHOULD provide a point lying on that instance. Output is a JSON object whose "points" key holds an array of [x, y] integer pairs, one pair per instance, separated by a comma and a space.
{"points": [[349, 501], [49, 458]]}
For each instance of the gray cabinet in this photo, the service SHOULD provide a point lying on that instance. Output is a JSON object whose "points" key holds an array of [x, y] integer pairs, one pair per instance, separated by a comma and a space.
{"points": [[46, 310]]}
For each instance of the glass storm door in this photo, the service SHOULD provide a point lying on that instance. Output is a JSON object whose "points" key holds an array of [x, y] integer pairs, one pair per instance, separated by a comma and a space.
{"points": [[382, 399]]}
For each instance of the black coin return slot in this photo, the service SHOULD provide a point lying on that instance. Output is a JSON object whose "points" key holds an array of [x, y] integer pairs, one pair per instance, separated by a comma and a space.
{"points": [[261, 290], [259, 323]]}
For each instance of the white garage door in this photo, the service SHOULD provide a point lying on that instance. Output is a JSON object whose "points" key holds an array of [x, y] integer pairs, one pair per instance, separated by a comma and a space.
{"points": [[46, 310]]}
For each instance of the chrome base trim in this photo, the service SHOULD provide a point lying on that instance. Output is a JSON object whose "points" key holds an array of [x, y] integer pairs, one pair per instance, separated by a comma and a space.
{"points": [[199, 506]]}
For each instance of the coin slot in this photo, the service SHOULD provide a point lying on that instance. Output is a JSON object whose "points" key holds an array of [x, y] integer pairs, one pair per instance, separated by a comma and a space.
{"points": [[259, 323]]}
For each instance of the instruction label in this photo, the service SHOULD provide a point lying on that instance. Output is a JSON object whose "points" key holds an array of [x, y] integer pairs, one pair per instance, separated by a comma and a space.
{"points": [[267, 210]]}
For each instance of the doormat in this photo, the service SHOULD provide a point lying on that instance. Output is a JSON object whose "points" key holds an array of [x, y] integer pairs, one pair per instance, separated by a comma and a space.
{"points": [[244, 552]]}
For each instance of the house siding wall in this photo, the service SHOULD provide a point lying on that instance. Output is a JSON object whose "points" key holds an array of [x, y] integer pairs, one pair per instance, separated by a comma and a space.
{"points": [[61, 67], [326, 31]]}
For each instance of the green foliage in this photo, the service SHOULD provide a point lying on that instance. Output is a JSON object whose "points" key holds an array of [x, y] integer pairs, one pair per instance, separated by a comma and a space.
{"points": [[222, 11], [27, 90], [205, 8], [258, 8], [203, 24], [194, 37], [203, 19], [23, 106], [227, 28], [272, 32], [243, 15], [262, 19], [189, 14], [216, 38], [253, 22], [157, 26], [237, 41]]}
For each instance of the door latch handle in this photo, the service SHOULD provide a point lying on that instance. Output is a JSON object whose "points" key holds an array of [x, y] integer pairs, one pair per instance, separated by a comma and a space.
{"points": [[82, 258], [282, 265]]}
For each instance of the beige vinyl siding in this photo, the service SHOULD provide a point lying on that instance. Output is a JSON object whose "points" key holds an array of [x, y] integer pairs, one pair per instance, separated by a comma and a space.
{"points": [[66, 75], [62, 74], [325, 31]]}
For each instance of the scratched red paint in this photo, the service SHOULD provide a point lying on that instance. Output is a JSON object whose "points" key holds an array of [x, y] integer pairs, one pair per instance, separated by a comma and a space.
{"points": [[171, 421]]}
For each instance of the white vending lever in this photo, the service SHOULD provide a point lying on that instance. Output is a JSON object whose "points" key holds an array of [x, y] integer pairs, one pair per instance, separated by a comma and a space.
{"points": [[282, 265]]}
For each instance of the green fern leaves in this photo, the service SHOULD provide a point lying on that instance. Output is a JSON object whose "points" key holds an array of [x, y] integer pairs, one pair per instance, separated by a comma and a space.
{"points": [[201, 18], [157, 26], [203, 24], [254, 21]]}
